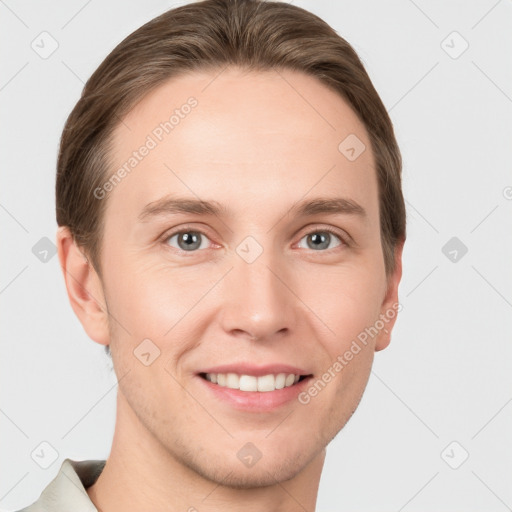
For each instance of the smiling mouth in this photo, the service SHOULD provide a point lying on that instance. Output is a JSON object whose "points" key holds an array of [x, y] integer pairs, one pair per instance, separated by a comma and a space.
{"points": [[251, 383]]}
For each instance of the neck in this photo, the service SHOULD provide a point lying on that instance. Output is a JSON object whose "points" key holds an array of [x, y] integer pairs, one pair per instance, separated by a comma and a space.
{"points": [[141, 473]]}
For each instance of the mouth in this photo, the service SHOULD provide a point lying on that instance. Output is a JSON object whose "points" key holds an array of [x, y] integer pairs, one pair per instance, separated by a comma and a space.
{"points": [[252, 383]]}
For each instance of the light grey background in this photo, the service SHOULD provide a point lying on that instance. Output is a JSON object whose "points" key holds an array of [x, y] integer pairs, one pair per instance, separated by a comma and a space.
{"points": [[446, 375]]}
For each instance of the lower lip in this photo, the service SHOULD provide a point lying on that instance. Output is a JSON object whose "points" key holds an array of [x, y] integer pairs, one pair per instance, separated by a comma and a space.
{"points": [[256, 401]]}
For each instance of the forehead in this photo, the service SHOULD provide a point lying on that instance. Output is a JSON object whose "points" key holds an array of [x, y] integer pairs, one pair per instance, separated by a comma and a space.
{"points": [[242, 136]]}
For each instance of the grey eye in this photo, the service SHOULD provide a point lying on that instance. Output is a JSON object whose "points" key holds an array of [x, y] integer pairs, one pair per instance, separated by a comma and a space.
{"points": [[318, 240], [188, 240]]}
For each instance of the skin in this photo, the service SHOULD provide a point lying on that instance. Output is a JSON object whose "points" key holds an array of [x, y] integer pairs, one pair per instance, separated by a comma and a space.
{"points": [[256, 146]]}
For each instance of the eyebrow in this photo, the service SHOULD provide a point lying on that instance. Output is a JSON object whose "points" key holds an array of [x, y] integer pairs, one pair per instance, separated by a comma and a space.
{"points": [[176, 205]]}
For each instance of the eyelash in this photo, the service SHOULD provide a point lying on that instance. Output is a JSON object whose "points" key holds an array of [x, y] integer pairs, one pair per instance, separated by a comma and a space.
{"points": [[343, 239]]}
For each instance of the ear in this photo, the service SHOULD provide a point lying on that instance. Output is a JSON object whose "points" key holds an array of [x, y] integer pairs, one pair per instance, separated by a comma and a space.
{"points": [[390, 305], [84, 287]]}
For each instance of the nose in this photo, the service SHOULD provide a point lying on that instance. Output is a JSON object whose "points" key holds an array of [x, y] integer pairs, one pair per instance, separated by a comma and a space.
{"points": [[259, 303]]}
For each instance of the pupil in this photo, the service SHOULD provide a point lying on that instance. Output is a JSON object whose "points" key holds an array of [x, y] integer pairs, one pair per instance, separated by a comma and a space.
{"points": [[320, 240], [191, 240]]}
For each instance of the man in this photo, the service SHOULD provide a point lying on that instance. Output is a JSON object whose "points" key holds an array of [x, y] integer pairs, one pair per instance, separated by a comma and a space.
{"points": [[231, 230]]}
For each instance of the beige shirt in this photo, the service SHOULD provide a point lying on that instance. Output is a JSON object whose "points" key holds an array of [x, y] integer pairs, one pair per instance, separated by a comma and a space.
{"points": [[66, 492]]}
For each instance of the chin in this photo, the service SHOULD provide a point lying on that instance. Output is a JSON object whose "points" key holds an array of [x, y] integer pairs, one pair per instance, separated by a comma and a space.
{"points": [[266, 475], [230, 472]]}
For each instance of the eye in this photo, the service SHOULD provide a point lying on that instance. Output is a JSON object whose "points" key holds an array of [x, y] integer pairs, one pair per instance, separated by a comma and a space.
{"points": [[193, 240], [188, 240], [321, 239]]}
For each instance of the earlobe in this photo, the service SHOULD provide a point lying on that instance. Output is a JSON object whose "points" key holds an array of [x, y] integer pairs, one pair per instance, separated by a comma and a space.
{"points": [[390, 305], [84, 288]]}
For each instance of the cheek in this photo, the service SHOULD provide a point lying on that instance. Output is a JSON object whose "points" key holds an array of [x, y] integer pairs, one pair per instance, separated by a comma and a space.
{"points": [[158, 291], [348, 302], [346, 299], [158, 302], [333, 396]]}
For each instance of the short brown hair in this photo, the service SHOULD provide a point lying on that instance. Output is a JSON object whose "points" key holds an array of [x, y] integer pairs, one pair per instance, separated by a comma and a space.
{"points": [[209, 35]]}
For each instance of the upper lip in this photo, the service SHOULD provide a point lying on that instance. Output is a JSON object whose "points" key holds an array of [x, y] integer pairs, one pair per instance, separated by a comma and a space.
{"points": [[257, 371]]}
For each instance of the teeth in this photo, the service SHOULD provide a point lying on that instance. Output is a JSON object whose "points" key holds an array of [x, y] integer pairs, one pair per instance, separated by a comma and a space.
{"points": [[232, 381], [248, 383], [290, 379], [280, 380], [251, 383], [267, 383]]}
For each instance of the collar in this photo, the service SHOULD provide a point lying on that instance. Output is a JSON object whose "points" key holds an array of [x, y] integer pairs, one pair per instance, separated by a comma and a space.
{"points": [[68, 489]]}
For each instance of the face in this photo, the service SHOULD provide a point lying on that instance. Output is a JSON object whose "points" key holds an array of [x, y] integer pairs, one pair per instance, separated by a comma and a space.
{"points": [[277, 270]]}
